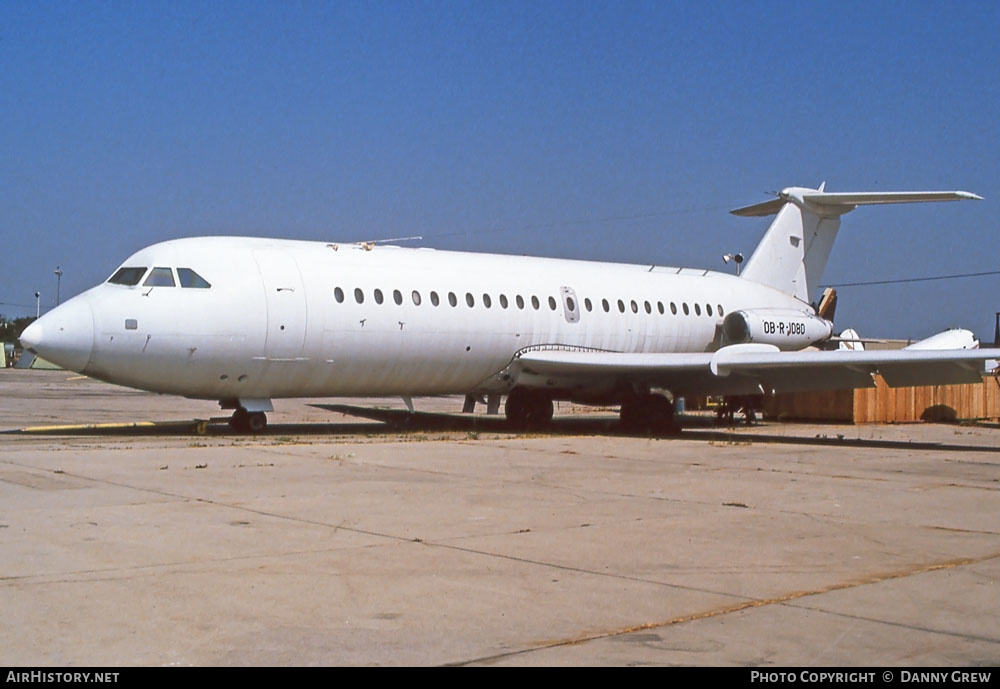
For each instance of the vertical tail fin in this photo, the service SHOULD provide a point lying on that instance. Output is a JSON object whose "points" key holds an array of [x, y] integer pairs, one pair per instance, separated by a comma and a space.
{"points": [[793, 253]]}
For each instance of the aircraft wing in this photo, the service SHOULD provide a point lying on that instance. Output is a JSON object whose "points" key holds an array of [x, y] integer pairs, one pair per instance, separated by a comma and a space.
{"points": [[751, 368]]}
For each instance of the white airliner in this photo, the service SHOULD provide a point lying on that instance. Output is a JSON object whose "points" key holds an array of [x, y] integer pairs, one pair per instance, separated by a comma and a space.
{"points": [[247, 320]]}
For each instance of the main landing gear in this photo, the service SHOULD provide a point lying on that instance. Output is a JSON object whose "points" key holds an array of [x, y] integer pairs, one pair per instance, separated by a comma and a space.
{"points": [[648, 413], [731, 404], [244, 421], [531, 409], [528, 409]]}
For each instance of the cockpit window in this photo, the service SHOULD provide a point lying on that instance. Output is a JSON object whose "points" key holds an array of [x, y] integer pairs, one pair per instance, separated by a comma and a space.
{"points": [[160, 277], [189, 278], [127, 276]]}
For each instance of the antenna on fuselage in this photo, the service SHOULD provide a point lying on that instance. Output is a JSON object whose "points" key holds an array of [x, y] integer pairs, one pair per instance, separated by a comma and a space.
{"points": [[368, 245]]}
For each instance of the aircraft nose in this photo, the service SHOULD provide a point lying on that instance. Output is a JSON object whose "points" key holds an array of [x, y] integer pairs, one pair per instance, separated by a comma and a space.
{"points": [[31, 336], [64, 336]]}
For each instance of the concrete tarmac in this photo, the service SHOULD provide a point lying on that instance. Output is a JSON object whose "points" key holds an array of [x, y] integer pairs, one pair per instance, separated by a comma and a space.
{"points": [[442, 538]]}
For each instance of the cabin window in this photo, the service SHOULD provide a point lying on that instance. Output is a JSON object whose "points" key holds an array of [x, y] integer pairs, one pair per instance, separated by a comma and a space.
{"points": [[697, 309], [552, 303], [520, 302], [470, 300], [659, 307], [534, 302], [720, 310], [416, 298], [635, 307], [378, 296], [570, 303], [359, 296], [434, 298], [587, 305], [621, 306], [606, 305], [338, 294], [503, 300], [452, 299], [649, 309], [160, 277], [487, 302], [397, 297], [687, 312], [708, 309], [127, 276], [673, 308], [189, 278]]}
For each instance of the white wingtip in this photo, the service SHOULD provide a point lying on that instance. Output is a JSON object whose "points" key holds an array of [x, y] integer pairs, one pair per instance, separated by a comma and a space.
{"points": [[969, 195]]}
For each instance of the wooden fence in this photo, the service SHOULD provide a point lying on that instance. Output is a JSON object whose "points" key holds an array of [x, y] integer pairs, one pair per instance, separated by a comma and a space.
{"points": [[883, 404]]}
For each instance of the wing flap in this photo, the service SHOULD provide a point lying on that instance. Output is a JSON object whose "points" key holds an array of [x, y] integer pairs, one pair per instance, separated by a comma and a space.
{"points": [[739, 368], [795, 371]]}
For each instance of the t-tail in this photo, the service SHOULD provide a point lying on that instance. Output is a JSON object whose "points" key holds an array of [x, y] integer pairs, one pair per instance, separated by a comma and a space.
{"points": [[793, 253]]}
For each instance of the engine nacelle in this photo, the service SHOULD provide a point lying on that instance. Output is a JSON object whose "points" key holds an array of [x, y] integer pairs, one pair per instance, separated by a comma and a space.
{"points": [[956, 338], [786, 329]]}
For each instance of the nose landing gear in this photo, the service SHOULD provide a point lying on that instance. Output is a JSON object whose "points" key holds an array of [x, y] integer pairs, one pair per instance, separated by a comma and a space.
{"points": [[244, 421], [248, 413]]}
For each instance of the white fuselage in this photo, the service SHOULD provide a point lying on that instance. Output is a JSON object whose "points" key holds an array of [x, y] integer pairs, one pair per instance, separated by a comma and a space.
{"points": [[283, 318]]}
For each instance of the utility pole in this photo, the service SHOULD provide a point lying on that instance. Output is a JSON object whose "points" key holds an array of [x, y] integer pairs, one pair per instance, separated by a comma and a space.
{"points": [[58, 272], [996, 331], [38, 305]]}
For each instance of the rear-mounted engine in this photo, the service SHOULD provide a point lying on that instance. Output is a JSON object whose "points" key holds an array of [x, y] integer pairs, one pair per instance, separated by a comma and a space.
{"points": [[786, 329]]}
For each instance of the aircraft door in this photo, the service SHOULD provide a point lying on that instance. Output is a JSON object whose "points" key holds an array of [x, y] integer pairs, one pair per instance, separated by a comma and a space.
{"points": [[571, 305], [286, 304]]}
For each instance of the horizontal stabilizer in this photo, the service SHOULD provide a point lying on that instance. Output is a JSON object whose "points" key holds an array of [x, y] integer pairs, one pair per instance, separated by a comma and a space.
{"points": [[760, 210], [840, 202], [871, 198]]}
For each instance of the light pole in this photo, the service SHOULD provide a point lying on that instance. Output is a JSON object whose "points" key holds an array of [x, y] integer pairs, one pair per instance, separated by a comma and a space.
{"points": [[38, 305], [58, 272], [736, 258]]}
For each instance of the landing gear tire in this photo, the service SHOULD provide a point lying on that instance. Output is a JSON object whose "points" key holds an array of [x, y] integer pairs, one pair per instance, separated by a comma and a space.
{"points": [[648, 413], [238, 421], [528, 409], [257, 422], [243, 421], [632, 415], [662, 414]]}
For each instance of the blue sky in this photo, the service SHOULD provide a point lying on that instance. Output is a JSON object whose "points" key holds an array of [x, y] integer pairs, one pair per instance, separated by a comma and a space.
{"points": [[616, 130]]}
